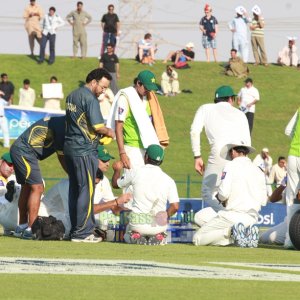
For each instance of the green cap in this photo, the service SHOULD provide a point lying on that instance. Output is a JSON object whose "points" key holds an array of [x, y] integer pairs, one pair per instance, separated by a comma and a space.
{"points": [[224, 91], [6, 156], [147, 78], [103, 154], [155, 152]]}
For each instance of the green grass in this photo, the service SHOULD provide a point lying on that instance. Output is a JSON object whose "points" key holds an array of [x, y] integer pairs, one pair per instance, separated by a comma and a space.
{"points": [[279, 89], [278, 86], [106, 287]]}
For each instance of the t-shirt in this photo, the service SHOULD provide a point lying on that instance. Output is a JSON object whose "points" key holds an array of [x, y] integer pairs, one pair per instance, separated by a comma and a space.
{"points": [[131, 133], [152, 189], [209, 24], [83, 116], [247, 96], [188, 53], [110, 22], [43, 138], [109, 62], [8, 89]]}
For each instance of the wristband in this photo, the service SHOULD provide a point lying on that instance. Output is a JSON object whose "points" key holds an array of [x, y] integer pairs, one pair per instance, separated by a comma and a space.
{"points": [[122, 153], [197, 156]]}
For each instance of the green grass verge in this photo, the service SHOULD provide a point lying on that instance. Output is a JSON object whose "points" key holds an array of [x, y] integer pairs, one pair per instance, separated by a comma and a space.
{"points": [[278, 86]]}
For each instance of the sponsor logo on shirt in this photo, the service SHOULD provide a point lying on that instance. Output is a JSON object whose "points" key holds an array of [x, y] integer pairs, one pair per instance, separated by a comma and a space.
{"points": [[2, 183], [120, 110], [223, 175]]}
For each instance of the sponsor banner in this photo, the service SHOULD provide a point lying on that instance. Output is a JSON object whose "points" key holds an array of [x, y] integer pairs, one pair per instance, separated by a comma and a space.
{"points": [[270, 215], [20, 118]]}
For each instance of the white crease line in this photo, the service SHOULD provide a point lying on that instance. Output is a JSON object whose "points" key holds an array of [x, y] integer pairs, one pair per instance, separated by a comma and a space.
{"points": [[133, 268]]}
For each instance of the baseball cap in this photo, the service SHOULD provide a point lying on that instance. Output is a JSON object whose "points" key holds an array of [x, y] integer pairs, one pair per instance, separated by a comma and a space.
{"points": [[190, 45], [265, 150], [207, 7], [248, 80], [224, 91], [6, 156], [155, 152], [147, 78], [103, 154]]}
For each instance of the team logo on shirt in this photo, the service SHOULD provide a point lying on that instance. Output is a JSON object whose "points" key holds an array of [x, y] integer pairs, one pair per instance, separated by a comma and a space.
{"points": [[120, 110], [223, 175], [2, 183]]}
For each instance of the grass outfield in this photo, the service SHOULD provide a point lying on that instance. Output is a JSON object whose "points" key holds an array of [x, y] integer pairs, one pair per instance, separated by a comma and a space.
{"points": [[278, 86], [279, 89]]}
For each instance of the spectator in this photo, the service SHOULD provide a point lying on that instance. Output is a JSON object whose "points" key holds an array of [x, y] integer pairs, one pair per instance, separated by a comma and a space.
{"points": [[52, 94], [152, 190], [7, 88], [110, 62], [236, 67], [111, 28], [288, 55], [4, 123], [26, 94], [246, 99], [257, 37], [209, 27], [278, 171], [239, 29], [169, 82], [50, 23], [183, 55], [78, 19], [33, 13], [146, 50], [264, 161]]}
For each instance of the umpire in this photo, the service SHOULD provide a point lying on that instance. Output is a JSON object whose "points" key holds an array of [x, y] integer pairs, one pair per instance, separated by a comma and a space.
{"points": [[84, 125]]}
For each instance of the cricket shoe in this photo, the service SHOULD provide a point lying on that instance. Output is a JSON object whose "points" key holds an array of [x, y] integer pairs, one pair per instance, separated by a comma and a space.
{"points": [[158, 239], [89, 239], [19, 231], [252, 236], [28, 235], [137, 238], [239, 235]]}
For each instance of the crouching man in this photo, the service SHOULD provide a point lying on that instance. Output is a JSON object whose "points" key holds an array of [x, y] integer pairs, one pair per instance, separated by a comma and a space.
{"points": [[152, 189], [242, 192]]}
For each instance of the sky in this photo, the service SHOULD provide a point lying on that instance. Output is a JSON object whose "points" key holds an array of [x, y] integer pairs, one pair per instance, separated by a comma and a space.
{"points": [[172, 23]]}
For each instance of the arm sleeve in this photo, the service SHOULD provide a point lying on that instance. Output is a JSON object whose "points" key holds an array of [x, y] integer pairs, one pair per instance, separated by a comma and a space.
{"points": [[173, 193], [122, 109], [226, 183], [289, 130], [126, 179], [94, 114], [196, 130]]}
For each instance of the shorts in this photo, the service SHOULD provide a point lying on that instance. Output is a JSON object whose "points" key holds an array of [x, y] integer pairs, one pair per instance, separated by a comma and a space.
{"points": [[26, 168], [208, 42]]}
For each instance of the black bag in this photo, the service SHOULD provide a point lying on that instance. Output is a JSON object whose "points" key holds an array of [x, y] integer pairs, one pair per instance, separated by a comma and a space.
{"points": [[48, 228]]}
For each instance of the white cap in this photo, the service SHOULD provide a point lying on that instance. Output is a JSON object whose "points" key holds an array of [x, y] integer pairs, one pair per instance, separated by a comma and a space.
{"points": [[256, 9], [240, 10], [265, 150], [190, 45], [225, 149], [292, 38]]}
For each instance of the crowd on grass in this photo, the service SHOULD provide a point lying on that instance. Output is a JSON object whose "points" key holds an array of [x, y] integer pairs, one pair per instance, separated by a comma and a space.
{"points": [[97, 113]]}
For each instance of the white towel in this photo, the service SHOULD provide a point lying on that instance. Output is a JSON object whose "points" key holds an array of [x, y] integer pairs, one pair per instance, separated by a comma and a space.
{"points": [[147, 131]]}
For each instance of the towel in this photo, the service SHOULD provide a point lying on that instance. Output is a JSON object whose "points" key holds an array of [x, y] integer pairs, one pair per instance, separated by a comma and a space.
{"points": [[158, 120], [146, 129]]}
